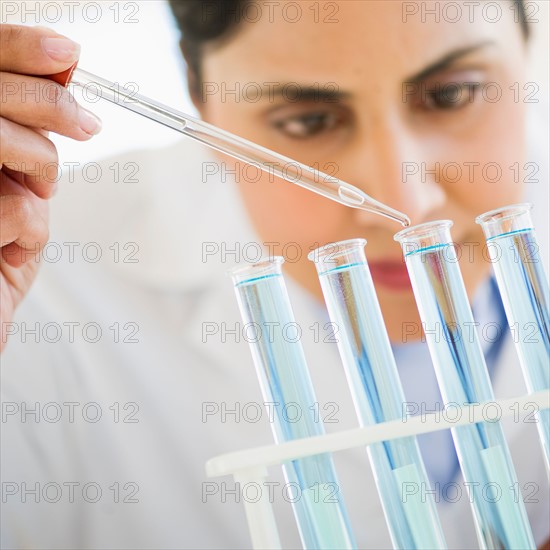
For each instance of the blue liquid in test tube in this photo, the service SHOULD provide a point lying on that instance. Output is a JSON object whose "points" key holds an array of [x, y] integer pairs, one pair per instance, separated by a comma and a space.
{"points": [[462, 374], [284, 379], [514, 253], [377, 393]]}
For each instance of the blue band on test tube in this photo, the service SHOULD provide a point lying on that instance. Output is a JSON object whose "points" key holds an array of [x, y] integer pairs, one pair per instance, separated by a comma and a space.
{"points": [[284, 379], [372, 375], [462, 374], [523, 285]]}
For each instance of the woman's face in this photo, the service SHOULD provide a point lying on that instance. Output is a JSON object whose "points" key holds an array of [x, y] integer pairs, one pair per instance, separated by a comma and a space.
{"points": [[389, 100]]}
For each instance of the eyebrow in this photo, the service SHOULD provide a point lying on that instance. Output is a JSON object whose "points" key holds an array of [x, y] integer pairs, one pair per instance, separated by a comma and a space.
{"points": [[322, 93], [328, 92], [446, 60]]}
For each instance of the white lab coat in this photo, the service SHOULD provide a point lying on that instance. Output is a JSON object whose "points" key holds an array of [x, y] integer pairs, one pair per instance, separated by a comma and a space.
{"points": [[170, 374]]}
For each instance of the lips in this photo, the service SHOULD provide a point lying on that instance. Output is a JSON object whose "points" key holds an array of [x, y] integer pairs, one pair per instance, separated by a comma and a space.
{"points": [[390, 274]]}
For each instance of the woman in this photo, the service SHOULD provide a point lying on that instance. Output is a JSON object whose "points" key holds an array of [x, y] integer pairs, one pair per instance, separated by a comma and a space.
{"points": [[381, 94]]}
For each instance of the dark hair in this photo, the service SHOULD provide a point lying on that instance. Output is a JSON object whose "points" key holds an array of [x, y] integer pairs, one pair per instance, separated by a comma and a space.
{"points": [[214, 22], [202, 22]]}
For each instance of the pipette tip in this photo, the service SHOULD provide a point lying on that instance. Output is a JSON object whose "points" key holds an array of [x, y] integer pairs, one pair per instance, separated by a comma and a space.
{"points": [[356, 198], [376, 207]]}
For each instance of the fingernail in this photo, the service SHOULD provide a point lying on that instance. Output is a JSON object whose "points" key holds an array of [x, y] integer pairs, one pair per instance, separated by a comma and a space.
{"points": [[61, 49], [89, 123]]}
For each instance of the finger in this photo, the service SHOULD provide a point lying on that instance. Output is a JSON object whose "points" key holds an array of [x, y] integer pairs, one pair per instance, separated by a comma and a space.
{"points": [[41, 103], [23, 231], [24, 150], [26, 181], [35, 50], [13, 183], [51, 173], [13, 186], [14, 255]]}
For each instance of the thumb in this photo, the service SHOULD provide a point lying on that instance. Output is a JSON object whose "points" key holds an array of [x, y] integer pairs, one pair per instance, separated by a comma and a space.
{"points": [[35, 50]]}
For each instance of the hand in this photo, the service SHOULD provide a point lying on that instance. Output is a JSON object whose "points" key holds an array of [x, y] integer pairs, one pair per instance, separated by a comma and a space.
{"points": [[30, 107]]}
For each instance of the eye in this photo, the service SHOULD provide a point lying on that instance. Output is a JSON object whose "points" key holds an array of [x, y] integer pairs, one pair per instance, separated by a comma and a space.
{"points": [[308, 125], [451, 96]]}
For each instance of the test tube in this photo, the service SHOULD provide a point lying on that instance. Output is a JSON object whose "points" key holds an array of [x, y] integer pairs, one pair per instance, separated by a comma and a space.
{"points": [[284, 379], [487, 469], [372, 375], [514, 253]]}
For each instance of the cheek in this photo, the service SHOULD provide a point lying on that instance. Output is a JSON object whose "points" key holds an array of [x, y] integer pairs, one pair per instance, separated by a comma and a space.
{"points": [[484, 169], [282, 212]]}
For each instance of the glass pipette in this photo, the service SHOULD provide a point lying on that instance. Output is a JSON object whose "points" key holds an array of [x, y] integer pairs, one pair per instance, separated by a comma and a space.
{"points": [[235, 146]]}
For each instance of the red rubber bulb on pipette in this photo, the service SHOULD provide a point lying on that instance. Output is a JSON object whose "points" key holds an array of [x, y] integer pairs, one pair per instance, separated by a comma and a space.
{"points": [[64, 77]]}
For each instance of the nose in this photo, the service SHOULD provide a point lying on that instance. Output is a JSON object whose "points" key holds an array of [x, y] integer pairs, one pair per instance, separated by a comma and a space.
{"points": [[396, 171]]}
